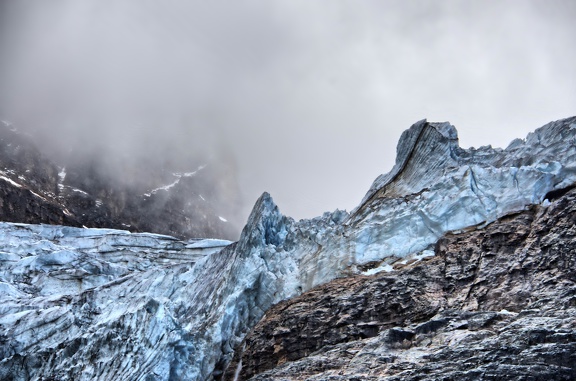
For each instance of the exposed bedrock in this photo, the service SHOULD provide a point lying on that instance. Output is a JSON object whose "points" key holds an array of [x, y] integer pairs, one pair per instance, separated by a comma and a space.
{"points": [[496, 303]]}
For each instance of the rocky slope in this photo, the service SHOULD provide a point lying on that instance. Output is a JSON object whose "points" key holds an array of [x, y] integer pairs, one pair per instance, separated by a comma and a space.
{"points": [[201, 201], [183, 321], [495, 303]]}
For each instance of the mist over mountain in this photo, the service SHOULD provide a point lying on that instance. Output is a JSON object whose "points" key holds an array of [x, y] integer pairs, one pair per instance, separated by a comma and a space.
{"points": [[196, 199], [298, 92]]}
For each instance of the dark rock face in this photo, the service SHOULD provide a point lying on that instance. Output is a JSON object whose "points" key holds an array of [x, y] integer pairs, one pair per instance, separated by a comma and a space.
{"points": [[34, 189], [28, 183], [496, 303]]}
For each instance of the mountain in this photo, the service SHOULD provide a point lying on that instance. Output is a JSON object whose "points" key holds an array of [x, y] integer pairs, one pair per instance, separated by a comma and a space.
{"points": [[458, 264], [79, 190], [493, 303]]}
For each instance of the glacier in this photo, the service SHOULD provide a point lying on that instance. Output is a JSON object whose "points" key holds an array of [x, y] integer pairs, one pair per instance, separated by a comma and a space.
{"points": [[96, 304]]}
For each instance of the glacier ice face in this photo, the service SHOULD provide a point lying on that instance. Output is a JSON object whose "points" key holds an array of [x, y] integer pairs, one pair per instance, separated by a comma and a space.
{"points": [[56, 259], [65, 289], [111, 305]]}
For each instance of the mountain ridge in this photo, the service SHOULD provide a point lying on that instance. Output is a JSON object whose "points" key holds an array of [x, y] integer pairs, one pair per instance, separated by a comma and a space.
{"points": [[188, 321], [502, 296]]}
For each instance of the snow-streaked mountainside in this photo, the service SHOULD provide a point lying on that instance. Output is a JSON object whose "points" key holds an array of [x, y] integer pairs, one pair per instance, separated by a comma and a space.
{"points": [[107, 305], [101, 190]]}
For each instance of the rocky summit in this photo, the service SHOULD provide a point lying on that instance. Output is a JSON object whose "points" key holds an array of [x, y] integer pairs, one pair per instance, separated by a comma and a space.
{"points": [[457, 265]]}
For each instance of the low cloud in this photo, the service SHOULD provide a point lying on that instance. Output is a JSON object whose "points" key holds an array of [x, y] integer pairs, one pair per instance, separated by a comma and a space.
{"points": [[310, 97]]}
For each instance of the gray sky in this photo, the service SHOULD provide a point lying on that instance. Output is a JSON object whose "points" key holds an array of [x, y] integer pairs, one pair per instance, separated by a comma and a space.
{"points": [[310, 96]]}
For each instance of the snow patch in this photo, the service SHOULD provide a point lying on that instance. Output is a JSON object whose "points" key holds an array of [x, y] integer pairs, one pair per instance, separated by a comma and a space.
{"points": [[37, 195], [62, 174], [178, 176], [10, 181], [418, 256], [79, 191], [189, 174], [385, 267], [222, 219]]}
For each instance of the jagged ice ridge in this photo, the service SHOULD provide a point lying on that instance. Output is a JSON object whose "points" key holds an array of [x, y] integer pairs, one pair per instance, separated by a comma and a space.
{"points": [[86, 304]]}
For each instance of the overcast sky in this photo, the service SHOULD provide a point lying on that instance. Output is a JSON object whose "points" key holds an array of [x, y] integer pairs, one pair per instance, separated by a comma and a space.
{"points": [[310, 96]]}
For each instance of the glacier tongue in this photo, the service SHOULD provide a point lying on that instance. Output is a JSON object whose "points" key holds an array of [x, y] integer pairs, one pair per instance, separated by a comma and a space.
{"points": [[86, 304]]}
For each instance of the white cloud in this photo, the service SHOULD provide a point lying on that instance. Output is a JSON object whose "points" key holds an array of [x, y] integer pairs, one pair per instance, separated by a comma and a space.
{"points": [[311, 96]]}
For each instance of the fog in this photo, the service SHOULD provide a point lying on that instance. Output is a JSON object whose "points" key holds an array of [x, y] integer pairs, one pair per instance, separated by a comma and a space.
{"points": [[310, 97]]}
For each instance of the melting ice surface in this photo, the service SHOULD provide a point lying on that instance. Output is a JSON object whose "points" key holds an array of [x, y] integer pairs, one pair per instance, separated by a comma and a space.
{"points": [[100, 305]]}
